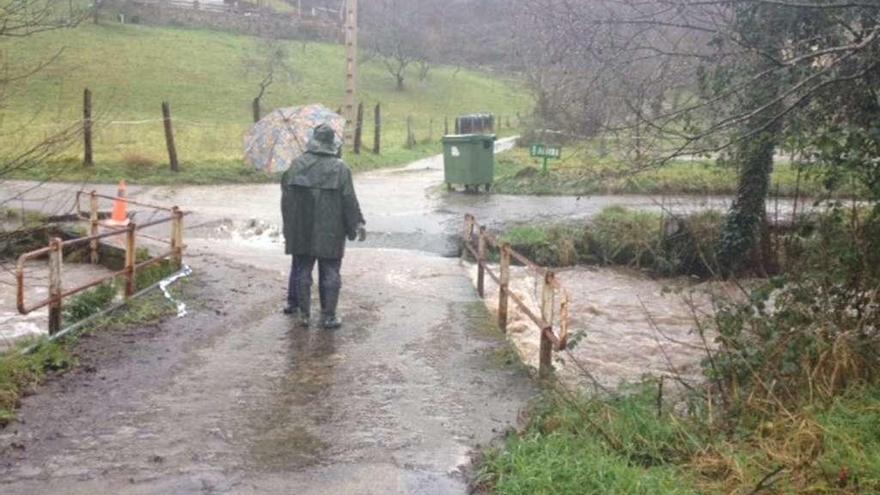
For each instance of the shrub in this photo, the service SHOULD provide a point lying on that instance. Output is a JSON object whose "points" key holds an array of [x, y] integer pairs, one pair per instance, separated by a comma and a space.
{"points": [[88, 303], [21, 373], [625, 237]]}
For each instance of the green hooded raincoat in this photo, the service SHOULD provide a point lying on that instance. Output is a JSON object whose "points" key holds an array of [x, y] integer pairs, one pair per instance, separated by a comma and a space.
{"points": [[318, 203]]}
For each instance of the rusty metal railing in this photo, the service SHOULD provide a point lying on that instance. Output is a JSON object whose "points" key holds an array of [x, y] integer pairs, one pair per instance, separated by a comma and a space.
{"points": [[131, 231], [551, 291]]}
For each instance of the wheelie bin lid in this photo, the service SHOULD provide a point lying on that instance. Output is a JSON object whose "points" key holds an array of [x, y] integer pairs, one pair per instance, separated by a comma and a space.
{"points": [[468, 138]]}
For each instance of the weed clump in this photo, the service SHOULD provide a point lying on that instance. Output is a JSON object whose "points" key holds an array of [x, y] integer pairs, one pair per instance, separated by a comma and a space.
{"points": [[618, 236], [20, 373]]}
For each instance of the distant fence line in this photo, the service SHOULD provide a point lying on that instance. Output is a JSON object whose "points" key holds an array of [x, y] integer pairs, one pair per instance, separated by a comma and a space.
{"points": [[415, 131]]}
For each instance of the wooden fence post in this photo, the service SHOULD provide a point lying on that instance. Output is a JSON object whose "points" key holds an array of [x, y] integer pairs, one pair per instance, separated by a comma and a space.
{"points": [[468, 235], [177, 237], [93, 227], [504, 287], [88, 159], [545, 366], [457, 126], [410, 136], [130, 259], [358, 128], [377, 130], [481, 262], [55, 260], [169, 137]]}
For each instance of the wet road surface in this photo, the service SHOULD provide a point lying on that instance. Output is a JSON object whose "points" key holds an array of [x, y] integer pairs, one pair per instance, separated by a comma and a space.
{"points": [[234, 399]]}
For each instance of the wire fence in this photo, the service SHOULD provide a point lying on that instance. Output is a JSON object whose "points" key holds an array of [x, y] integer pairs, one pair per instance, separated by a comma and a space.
{"points": [[145, 141]]}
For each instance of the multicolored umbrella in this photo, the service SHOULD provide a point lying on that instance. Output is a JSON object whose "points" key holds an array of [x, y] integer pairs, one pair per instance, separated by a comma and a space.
{"points": [[281, 136]]}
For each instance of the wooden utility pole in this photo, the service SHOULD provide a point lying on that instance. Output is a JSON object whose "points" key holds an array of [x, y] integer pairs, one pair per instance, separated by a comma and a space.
{"points": [[351, 35]]}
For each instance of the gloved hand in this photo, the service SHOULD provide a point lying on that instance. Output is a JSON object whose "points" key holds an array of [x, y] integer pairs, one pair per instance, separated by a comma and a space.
{"points": [[361, 232]]}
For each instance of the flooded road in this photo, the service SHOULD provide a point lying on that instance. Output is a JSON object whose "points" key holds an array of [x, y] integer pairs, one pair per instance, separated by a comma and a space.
{"points": [[406, 208], [233, 399]]}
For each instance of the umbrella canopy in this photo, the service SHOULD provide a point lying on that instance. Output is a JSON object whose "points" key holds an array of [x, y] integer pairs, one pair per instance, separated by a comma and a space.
{"points": [[281, 136]]}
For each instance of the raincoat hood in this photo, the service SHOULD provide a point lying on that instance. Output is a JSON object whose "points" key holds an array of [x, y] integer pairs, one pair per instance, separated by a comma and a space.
{"points": [[323, 141]]}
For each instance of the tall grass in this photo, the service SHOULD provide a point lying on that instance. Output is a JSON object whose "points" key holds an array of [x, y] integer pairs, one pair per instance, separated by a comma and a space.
{"points": [[620, 236], [20, 374]]}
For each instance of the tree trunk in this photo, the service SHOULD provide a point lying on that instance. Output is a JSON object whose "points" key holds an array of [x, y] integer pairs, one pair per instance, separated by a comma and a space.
{"points": [[746, 219], [744, 235], [400, 86]]}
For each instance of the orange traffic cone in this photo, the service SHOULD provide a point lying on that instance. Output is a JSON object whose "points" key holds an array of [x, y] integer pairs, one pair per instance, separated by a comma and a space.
{"points": [[119, 217]]}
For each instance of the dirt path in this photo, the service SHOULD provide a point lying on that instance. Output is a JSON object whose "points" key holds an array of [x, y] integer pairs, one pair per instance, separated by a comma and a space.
{"points": [[233, 399]]}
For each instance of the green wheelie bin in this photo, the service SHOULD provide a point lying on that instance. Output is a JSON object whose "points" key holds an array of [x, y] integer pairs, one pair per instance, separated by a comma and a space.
{"points": [[469, 160]]}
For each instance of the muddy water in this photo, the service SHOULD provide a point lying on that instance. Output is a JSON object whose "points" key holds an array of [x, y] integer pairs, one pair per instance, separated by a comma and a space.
{"points": [[14, 325], [632, 325]]}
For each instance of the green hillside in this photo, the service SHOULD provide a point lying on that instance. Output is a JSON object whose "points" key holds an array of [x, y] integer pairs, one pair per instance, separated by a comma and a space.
{"points": [[132, 69]]}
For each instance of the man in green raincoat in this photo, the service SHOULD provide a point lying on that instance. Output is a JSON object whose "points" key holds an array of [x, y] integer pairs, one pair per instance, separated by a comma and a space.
{"points": [[320, 210]]}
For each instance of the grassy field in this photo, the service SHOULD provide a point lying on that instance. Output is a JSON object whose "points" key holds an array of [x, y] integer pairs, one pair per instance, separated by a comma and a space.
{"points": [[581, 172], [132, 69]]}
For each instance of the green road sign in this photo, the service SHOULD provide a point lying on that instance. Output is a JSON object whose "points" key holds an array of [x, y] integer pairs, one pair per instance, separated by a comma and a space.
{"points": [[545, 152]]}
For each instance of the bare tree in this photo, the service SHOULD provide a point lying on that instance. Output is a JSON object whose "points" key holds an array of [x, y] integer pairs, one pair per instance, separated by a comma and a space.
{"points": [[725, 78], [396, 36], [271, 61], [22, 19]]}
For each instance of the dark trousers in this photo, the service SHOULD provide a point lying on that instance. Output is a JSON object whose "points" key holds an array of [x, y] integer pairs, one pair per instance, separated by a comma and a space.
{"points": [[329, 283], [292, 300]]}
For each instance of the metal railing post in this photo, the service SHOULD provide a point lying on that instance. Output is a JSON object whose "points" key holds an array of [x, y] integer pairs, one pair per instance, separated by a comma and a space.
{"points": [[93, 227], [481, 262], [177, 237], [55, 260], [130, 259], [545, 366], [504, 286]]}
